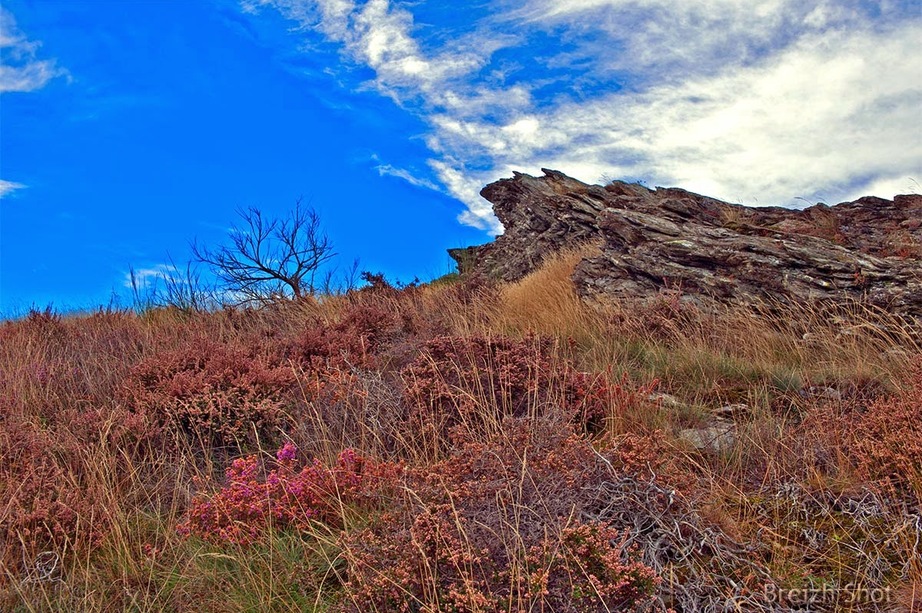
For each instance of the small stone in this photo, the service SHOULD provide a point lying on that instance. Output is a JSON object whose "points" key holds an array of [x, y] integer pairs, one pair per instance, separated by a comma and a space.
{"points": [[731, 411], [717, 438], [667, 400], [827, 393]]}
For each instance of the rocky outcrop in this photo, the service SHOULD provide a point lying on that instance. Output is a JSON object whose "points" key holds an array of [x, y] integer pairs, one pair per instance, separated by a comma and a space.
{"points": [[711, 251], [540, 215]]}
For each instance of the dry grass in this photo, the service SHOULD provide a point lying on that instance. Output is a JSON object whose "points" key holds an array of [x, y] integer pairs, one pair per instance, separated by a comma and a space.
{"points": [[545, 302], [94, 483]]}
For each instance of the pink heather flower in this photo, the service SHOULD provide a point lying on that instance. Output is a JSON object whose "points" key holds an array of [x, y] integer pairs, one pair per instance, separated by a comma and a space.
{"points": [[287, 453], [347, 457]]}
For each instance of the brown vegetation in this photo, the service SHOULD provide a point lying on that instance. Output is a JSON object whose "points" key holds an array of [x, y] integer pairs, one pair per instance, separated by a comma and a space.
{"points": [[456, 447]]}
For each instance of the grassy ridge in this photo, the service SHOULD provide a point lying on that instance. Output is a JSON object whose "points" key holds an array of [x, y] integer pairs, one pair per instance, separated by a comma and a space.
{"points": [[460, 447]]}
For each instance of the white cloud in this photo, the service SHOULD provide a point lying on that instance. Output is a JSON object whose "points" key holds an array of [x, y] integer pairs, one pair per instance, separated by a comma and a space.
{"points": [[8, 187], [760, 103], [406, 175], [379, 35], [657, 40], [465, 186], [885, 187], [816, 117], [20, 70], [149, 278]]}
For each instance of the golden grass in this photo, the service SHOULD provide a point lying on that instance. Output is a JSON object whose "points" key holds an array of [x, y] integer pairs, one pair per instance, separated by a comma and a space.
{"points": [[710, 357], [545, 302]]}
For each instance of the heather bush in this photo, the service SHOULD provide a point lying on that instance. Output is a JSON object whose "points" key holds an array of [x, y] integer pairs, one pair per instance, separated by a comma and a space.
{"points": [[46, 507], [57, 418], [595, 554], [888, 438], [496, 527], [287, 496], [361, 329], [869, 432], [218, 393], [53, 501], [454, 375], [476, 382]]}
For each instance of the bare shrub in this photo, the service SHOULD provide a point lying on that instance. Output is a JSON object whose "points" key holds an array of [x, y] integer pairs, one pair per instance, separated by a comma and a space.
{"points": [[270, 257]]}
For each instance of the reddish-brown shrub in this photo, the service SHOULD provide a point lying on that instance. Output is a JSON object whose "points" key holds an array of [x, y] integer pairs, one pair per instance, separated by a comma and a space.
{"points": [[473, 381], [455, 375], [888, 437], [49, 363], [360, 332], [52, 500], [40, 324], [373, 323], [219, 393], [58, 423], [43, 502], [287, 497], [497, 527]]}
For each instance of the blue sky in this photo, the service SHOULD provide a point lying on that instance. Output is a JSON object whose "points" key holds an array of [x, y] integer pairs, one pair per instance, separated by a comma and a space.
{"points": [[127, 129]]}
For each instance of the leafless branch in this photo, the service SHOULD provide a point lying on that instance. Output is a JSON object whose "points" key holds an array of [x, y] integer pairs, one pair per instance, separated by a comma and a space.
{"points": [[270, 257]]}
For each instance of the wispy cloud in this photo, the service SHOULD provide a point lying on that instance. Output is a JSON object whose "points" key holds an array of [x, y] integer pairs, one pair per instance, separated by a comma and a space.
{"points": [[402, 173], [20, 69], [8, 187], [760, 103], [379, 35], [149, 278]]}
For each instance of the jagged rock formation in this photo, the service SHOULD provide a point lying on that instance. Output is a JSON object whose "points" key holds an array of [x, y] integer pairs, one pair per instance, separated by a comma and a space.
{"points": [[712, 251]]}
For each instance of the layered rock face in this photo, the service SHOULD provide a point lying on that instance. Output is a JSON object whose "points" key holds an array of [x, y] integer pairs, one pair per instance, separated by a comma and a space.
{"points": [[710, 252]]}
